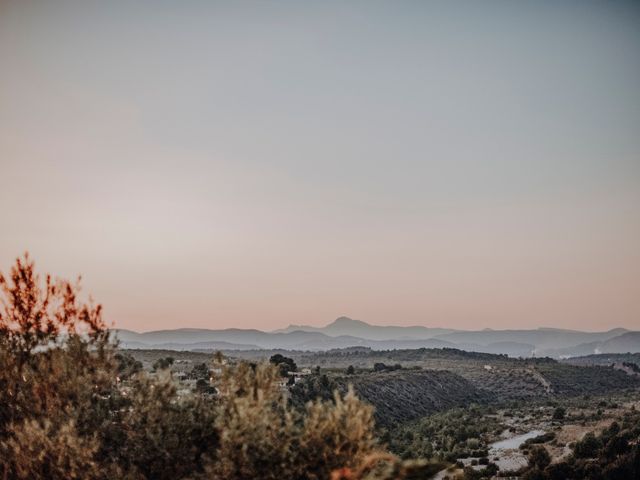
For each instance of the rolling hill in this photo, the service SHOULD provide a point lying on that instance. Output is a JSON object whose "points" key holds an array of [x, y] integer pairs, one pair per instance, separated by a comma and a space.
{"points": [[345, 332]]}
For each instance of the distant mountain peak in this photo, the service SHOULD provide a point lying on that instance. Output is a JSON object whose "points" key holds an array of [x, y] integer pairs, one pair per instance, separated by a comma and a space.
{"points": [[345, 332], [344, 321]]}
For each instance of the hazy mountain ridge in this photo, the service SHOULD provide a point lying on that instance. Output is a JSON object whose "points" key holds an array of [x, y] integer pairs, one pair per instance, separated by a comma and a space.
{"points": [[358, 328], [345, 332], [628, 342], [542, 338]]}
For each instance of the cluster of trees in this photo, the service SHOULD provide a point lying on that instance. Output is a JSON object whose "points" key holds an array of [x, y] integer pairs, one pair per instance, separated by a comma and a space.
{"points": [[72, 407], [456, 433], [383, 367], [127, 365], [163, 363], [284, 364], [590, 380], [314, 387], [614, 454]]}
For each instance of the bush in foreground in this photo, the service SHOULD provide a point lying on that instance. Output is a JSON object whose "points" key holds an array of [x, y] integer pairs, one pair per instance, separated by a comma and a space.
{"points": [[71, 407]]}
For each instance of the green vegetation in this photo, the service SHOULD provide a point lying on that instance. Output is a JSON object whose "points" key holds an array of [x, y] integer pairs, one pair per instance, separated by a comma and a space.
{"points": [[614, 454], [539, 458], [127, 365], [71, 407], [456, 433], [383, 367], [559, 413], [399, 395], [573, 380], [163, 363], [497, 377], [604, 360], [444, 417], [544, 438], [285, 364]]}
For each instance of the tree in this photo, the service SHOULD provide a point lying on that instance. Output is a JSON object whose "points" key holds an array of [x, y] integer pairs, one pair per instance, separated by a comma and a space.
{"points": [[62, 412], [588, 447], [350, 370], [127, 365], [285, 364], [163, 363], [382, 367], [559, 413], [558, 471], [313, 387], [534, 474], [539, 457], [57, 364]]}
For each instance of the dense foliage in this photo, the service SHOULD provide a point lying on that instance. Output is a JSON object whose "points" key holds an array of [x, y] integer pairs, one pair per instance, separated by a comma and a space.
{"points": [[456, 433], [285, 364], [399, 395], [498, 376], [614, 454], [71, 407]]}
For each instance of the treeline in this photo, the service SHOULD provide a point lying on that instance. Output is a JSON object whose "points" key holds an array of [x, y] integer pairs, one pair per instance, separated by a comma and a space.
{"points": [[504, 379], [398, 395], [572, 380], [71, 407]]}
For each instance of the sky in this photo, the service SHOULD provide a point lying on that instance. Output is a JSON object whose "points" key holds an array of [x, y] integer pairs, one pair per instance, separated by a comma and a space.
{"points": [[255, 164]]}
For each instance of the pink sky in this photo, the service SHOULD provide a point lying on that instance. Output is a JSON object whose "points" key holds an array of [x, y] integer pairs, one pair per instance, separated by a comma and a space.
{"points": [[220, 167]]}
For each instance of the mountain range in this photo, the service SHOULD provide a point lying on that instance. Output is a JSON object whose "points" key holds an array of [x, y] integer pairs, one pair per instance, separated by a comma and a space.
{"points": [[345, 332]]}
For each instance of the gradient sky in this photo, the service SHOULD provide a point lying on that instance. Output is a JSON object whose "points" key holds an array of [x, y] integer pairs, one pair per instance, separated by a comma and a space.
{"points": [[239, 164]]}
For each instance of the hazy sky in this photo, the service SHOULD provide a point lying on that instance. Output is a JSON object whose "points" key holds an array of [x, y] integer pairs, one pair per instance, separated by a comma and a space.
{"points": [[239, 164]]}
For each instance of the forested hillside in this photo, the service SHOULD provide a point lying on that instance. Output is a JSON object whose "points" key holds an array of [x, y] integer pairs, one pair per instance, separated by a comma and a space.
{"points": [[494, 376], [399, 396]]}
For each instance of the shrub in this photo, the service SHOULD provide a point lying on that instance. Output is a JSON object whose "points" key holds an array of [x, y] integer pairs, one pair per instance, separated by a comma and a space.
{"points": [[158, 435], [57, 365], [42, 450], [127, 366], [539, 457], [66, 414], [264, 437], [587, 447], [163, 363], [559, 413]]}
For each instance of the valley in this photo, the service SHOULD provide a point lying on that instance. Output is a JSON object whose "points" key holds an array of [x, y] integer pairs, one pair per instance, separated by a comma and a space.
{"points": [[465, 411]]}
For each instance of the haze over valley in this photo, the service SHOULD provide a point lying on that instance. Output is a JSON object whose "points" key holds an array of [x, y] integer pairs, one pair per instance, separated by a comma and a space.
{"points": [[345, 332]]}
